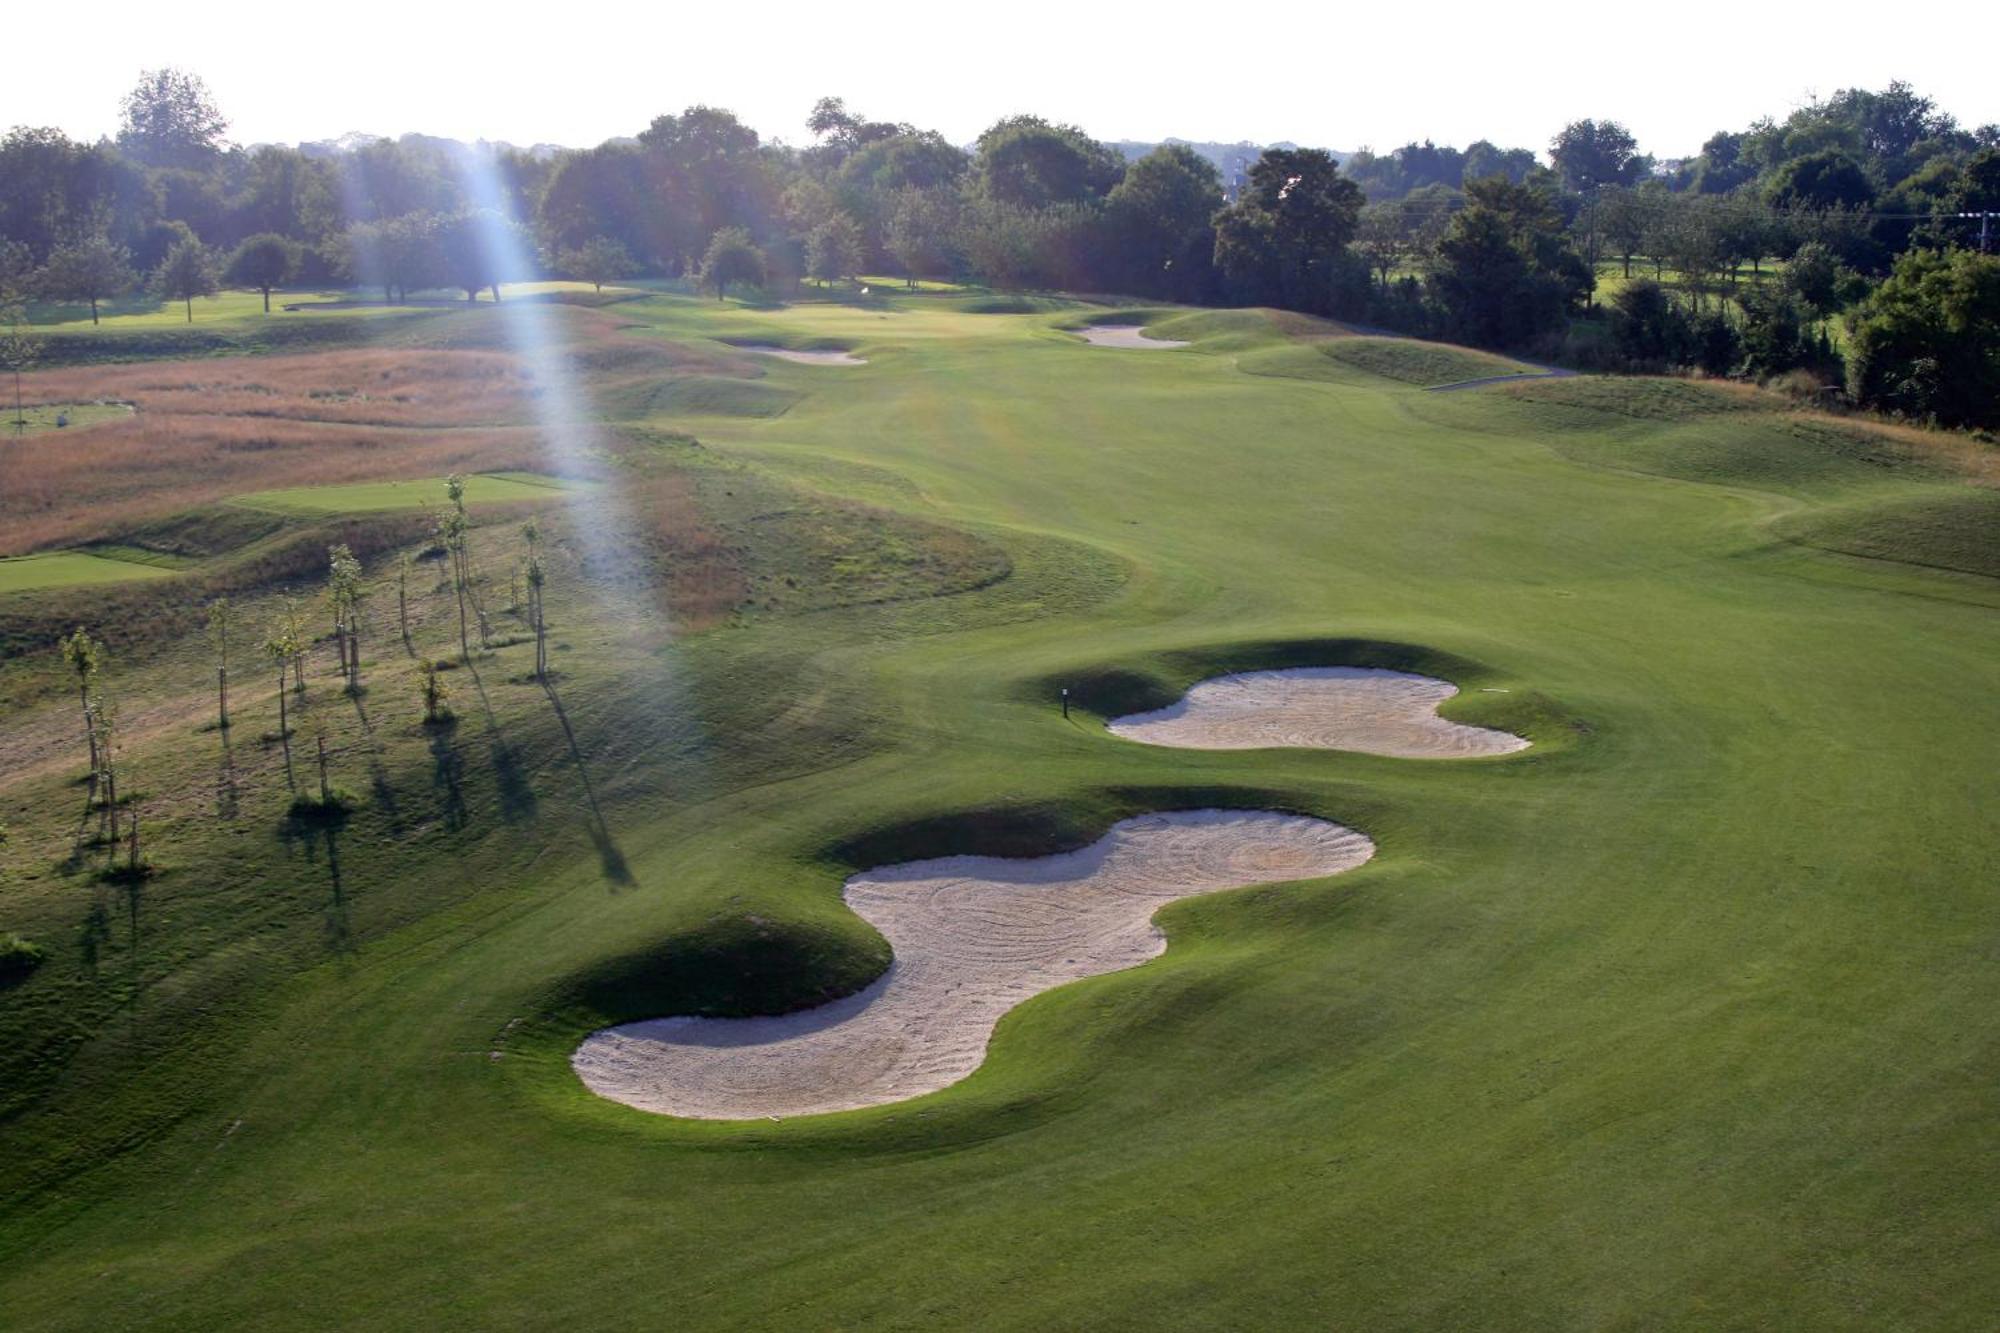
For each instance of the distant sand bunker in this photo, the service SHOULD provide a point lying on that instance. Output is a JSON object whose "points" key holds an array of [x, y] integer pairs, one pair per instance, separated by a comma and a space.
{"points": [[1128, 336], [803, 358], [973, 937], [1334, 708]]}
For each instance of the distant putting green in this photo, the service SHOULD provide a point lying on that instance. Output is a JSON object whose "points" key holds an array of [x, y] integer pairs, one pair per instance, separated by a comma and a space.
{"points": [[69, 569], [33, 420], [373, 496]]}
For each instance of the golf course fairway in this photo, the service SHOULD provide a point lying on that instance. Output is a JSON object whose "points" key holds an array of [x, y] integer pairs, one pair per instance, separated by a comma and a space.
{"points": [[1682, 1016]]}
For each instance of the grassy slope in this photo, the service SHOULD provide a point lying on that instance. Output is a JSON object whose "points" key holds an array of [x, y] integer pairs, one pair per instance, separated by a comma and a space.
{"points": [[1427, 364], [68, 569], [1682, 1022]]}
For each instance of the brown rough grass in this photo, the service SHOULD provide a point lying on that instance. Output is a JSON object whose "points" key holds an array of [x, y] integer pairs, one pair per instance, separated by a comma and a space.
{"points": [[377, 387], [89, 484]]}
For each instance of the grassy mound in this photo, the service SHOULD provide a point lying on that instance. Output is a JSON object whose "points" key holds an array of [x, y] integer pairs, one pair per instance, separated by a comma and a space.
{"points": [[1643, 399], [1957, 529], [1414, 362], [699, 396], [1155, 680], [734, 965]]}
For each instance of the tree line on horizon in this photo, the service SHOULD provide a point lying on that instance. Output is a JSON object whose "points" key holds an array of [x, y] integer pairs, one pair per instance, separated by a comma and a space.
{"points": [[1858, 196]]}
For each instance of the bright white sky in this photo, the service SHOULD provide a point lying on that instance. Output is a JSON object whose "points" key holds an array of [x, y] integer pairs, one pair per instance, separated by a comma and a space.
{"points": [[576, 72]]}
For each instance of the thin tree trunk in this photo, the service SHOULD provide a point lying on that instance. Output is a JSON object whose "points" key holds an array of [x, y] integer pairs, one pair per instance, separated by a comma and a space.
{"points": [[93, 310], [222, 697], [464, 643], [267, 300], [284, 724], [190, 309], [325, 793], [90, 733]]}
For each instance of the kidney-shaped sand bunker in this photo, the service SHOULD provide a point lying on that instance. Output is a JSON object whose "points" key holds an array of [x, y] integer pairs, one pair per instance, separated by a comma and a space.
{"points": [[1130, 337], [973, 937], [1366, 709]]}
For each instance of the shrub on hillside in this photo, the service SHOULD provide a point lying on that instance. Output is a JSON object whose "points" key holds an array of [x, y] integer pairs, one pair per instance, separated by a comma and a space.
{"points": [[1926, 344], [18, 957]]}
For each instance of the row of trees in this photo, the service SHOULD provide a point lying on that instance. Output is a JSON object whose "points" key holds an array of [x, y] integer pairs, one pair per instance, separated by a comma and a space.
{"points": [[285, 648], [1487, 245]]}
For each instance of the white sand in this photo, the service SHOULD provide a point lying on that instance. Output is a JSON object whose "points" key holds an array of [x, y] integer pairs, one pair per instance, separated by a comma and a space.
{"points": [[973, 937], [1334, 708], [803, 358], [1128, 336]]}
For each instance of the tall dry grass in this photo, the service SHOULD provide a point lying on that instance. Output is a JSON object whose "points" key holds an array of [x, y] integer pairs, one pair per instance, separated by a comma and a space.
{"points": [[375, 387], [59, 489]]}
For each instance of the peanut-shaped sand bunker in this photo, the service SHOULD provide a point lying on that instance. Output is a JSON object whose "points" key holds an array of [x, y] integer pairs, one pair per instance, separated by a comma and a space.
{"points": [[803, 358], [1333, 708], [1131, 337], [973, 937]]}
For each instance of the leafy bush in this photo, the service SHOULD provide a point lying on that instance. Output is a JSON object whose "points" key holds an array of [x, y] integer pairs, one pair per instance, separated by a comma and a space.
{"points": [[1927, 343], [18, 957]]}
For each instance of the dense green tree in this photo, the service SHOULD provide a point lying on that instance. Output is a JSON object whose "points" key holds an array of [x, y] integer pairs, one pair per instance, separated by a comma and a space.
{"points": [[1282, 241], [287, 193], [1815, 276], [1031, 163], [1591, 154], [188, 271], [1382, 238], [53, 190], [709, 168], [1778, 335], [90, 269], [599, 260], [1829, 179], [1484, 158], [833, 250], [261, 263], [1648, 328], [1926, 343], [922, 231], [1623, 218], [731, 257], [1159, 224], [399, 255], [170, 120], [1503, 271], [477, 249]]}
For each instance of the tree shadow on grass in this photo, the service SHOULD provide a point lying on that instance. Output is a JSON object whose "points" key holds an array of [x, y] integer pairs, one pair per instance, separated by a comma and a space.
{"points": [[225, 780], [447, 770], [378, 773], [517, 794], [613, 860], [312, 834]]}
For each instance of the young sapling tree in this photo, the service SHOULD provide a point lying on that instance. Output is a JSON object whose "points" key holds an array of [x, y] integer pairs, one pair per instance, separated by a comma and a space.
{"points": [[218, 639], [85, 657]]}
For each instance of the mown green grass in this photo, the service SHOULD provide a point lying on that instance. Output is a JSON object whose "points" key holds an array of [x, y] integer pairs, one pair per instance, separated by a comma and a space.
{"points": [[1679, 1018], [1429, 365], [69, 569], [34, 419]]}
